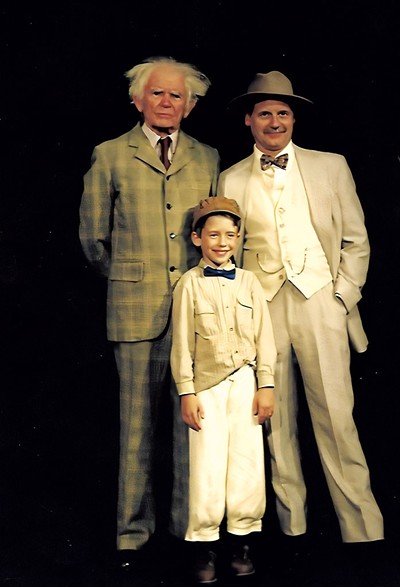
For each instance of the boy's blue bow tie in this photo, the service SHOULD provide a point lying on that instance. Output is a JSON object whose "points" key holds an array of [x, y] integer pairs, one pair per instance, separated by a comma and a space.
{"points": [[211, 272]]}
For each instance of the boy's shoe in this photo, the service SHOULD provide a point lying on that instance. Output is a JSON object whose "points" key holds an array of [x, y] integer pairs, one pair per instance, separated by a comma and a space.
{"points": [[204, 567], [241, 563]]}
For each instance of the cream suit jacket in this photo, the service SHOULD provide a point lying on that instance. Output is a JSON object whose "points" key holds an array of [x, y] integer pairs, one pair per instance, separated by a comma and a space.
{"points": [[135, 226], [337, 217]]}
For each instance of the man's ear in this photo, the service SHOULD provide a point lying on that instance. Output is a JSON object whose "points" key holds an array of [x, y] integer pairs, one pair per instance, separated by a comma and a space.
{"points": [[196, 240], [138, 103], [247, 120], [189, 107]]}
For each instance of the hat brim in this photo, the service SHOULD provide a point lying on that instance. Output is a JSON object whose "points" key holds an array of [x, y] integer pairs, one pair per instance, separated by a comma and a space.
{"points": [[251, 98], [215, 213]]}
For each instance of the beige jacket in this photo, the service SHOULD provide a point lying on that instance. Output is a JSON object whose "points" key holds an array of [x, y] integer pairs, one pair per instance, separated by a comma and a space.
{"points": [[337, 217]]}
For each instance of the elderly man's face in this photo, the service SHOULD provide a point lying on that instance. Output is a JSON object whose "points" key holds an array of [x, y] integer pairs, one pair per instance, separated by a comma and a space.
{"points": [[271, 124], [164, 101]]}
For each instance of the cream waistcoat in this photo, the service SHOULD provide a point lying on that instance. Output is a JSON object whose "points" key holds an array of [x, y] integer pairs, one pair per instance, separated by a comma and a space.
{"points": [[281, 242]]}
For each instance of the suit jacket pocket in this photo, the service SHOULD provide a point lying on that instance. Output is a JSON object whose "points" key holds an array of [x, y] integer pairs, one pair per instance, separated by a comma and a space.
{"points": [[126, 271]]}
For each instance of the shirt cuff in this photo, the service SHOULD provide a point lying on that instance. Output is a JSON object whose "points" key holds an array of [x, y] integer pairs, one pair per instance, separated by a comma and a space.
{"points": [[185, 388], [265, 379]]}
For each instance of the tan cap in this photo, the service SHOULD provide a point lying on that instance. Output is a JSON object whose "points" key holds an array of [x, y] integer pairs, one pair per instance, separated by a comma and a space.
{"points": [[214, 205]]}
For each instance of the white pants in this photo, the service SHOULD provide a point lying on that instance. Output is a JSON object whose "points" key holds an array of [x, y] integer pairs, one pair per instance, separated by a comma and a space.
{"points": [[227, 473], [315, 329]]}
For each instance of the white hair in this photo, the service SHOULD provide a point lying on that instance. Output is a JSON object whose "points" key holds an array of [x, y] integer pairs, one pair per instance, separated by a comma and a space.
{"points": [[196, 83]]}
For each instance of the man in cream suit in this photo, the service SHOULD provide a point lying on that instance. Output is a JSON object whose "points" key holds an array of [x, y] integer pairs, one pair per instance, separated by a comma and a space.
{"points": [[305, 238], [135, 227]]}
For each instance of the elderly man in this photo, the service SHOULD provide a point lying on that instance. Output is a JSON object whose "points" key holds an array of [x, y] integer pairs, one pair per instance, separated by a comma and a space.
{"points": [[135, 230]]}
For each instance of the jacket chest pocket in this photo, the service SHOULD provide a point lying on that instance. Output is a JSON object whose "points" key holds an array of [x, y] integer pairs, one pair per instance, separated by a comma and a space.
{"points": [[244, 313], [205, 319]]}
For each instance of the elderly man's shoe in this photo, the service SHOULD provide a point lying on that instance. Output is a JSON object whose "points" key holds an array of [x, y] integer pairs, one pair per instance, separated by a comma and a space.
{"points": [[128, 560]]}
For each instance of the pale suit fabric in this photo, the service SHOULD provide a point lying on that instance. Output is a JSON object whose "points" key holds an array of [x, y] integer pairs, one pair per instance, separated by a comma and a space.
{"points": [[312, 326]]}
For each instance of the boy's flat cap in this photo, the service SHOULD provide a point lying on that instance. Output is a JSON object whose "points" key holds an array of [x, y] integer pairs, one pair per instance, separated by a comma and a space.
{"points": [[213, 205]]}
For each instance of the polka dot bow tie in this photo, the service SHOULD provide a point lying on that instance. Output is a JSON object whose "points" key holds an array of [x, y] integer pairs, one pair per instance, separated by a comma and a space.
{"points": [[281, 161]]}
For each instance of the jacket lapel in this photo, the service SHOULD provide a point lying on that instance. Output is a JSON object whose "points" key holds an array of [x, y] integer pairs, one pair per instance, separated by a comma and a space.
{"points": [[143, 149], [183, 154], [320, 204]]}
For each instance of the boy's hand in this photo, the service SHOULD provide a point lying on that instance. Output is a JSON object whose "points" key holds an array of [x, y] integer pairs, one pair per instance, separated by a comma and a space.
{"points": [[192, 411], [264, 403]]}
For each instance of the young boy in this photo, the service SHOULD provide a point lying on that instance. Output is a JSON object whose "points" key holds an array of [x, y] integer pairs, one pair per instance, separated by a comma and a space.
{"points": [[222, 360]]}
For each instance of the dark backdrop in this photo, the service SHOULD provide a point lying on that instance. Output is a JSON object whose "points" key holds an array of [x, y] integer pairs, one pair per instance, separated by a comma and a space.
{"points": [[63, 91]]}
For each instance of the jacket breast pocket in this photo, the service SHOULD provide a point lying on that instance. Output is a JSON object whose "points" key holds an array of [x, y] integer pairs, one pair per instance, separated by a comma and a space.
{"points": [[206, 323], [244, 313]]}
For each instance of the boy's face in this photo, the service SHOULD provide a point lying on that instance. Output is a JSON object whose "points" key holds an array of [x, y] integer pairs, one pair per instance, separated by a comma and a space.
{"points": [[218, 240]]}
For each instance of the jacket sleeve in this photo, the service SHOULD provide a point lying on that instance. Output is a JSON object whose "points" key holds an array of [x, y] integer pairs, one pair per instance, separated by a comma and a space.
{"points": [[96, 213], [183, 338], [355, 249]]}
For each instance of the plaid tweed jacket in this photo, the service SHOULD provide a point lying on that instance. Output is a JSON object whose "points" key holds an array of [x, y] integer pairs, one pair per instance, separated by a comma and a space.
{"points": [[135, 225]]}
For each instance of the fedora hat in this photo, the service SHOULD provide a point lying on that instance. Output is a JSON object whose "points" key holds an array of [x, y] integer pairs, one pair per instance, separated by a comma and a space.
{"points": [[271, 85]]}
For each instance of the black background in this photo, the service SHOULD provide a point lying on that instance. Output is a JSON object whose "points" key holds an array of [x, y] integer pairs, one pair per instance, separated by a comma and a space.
{"points": [[63, 91]]}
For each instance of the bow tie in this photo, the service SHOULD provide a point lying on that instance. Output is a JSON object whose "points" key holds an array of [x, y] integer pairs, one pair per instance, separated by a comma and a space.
{"points": [[281, 161], [211, 272]]}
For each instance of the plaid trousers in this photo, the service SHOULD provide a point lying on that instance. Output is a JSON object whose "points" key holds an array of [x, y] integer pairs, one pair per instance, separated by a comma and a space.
{"points": [[153, 467]]}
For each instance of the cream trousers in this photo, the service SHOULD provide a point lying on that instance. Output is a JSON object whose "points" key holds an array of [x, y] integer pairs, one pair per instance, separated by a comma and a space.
{"points": [[227, 475]]}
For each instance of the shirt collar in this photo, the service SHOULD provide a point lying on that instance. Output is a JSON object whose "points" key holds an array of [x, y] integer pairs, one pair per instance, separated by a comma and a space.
{"points": [[228, 266], [154, 137]]}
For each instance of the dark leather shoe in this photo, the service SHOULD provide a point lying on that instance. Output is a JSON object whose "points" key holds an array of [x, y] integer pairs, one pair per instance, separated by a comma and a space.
{"points": [[241, 563], [128, 560], [204, 568]]}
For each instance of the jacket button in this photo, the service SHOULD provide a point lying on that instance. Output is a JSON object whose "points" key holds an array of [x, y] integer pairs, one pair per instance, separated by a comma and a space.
{"points": [[168, 205], [172, 235], [172, 268]]}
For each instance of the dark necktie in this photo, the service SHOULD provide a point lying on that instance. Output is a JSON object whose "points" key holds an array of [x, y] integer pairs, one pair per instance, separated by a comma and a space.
{"points": [[165, 143], [281, 161], [212, 272]]}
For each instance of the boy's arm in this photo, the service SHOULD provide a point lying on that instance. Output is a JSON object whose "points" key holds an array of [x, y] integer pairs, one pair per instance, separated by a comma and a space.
{"points": [[182, 354], [264, 403], [183, 337]]}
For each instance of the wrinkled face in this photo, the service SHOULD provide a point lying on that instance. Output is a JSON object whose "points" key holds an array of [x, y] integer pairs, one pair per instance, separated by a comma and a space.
{"points": [[271, 124], [218, 240], [164, 101]]}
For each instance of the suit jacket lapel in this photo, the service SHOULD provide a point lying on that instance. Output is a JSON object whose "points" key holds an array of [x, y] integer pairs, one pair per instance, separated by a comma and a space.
{"points": [[143, 149], [320, 209], [183, 154]]}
